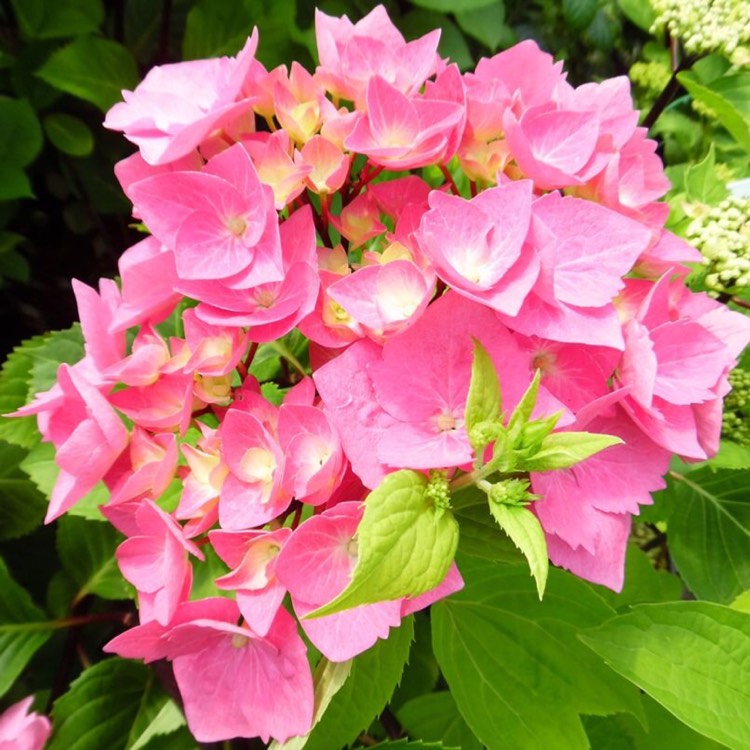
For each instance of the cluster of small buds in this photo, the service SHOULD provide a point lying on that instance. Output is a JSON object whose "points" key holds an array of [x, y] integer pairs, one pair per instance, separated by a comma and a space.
{"points": [[650, 77], [512, 492], [704, 26], [722, 234], [438, 489], [736, 422]]}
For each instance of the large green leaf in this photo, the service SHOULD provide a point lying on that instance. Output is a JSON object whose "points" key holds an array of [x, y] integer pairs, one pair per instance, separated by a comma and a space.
{"points": [[639, 12], [488, 26], [434, 717], [111, 705], [514, 665], [692, 657], [69, 134], [24, 629], [22, 506], [216, 27], [480, 536], [728, 97], [20, 132], [87, 552], [92, 68], [372, 679], [453, 6], [43, 19], [709, 531], [406, 544]]}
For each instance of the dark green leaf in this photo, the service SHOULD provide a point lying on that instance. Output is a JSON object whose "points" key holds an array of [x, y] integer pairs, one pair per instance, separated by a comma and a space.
{"points": [[709, 531], [452, 6], [216, 27], [508, 658], [22, 506], [92, 68], [23, 629], [87, 552], [14, 183], [639, 12], [578, 14], [43, 19], [20, 133], [109, 706], [69, 134], [691, 657], [373, 677], [434, 717]]}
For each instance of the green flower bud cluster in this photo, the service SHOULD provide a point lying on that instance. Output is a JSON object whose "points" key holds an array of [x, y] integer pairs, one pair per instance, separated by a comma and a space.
{"points": [[651, 77], [705, 25], [736, 421], [438, 490], [511, 492], [722, 234]]}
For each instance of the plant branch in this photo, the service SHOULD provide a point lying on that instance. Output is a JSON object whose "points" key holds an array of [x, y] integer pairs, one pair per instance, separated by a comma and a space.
{"points": [[669, 92]]}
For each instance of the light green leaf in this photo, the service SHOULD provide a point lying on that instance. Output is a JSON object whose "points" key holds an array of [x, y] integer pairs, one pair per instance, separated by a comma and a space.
{"points": [[20, 133], [14, 393], [730, 456], [484, 402], [87, 552], [509, 658], [371, 682], [434, 717], [42, 19], [155, 723], [452, 6], [522, 412], [406, 545], [728, 97], [69, 134], [562, 450], [47, 353], [328, 679], [709, 531], [23, 629], [523, 527], [578, 14], [702, 184], [488, 26], [111, 705], [22, 506], [742, 602], [691, 657], [92, 68]]}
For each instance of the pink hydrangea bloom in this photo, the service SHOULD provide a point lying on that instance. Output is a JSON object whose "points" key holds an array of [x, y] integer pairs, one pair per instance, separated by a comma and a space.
{"points": [[21, 729]]}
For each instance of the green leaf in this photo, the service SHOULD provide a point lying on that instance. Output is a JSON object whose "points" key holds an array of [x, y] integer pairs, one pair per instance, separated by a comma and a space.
{"points": [[14, 393], [561, 450], [406, 545], [639, 12], [578, 14], [518, 674], [742, 602], [523, 527], [40, 465], [487, 25], [434, 717], [522, 413], [480, 536], [23, 629], [22, 506], [371, 682], [728, 97], [216, 27], [643, 583], [702, 184], [92, 68], [42, 19], [20, 133], [452, 6], [328, 679], [155, 723], [69, 134], [14, 183], [54, 349], [731, 456], [689, 656], [417, 745], [709, 531], [484, 402], [111, 705], [87, 552]]}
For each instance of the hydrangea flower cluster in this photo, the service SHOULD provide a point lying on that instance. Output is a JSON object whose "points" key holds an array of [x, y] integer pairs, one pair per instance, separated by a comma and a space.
{"points": [[722, 234], [21, 729], [705, 26], [397, 213]]}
